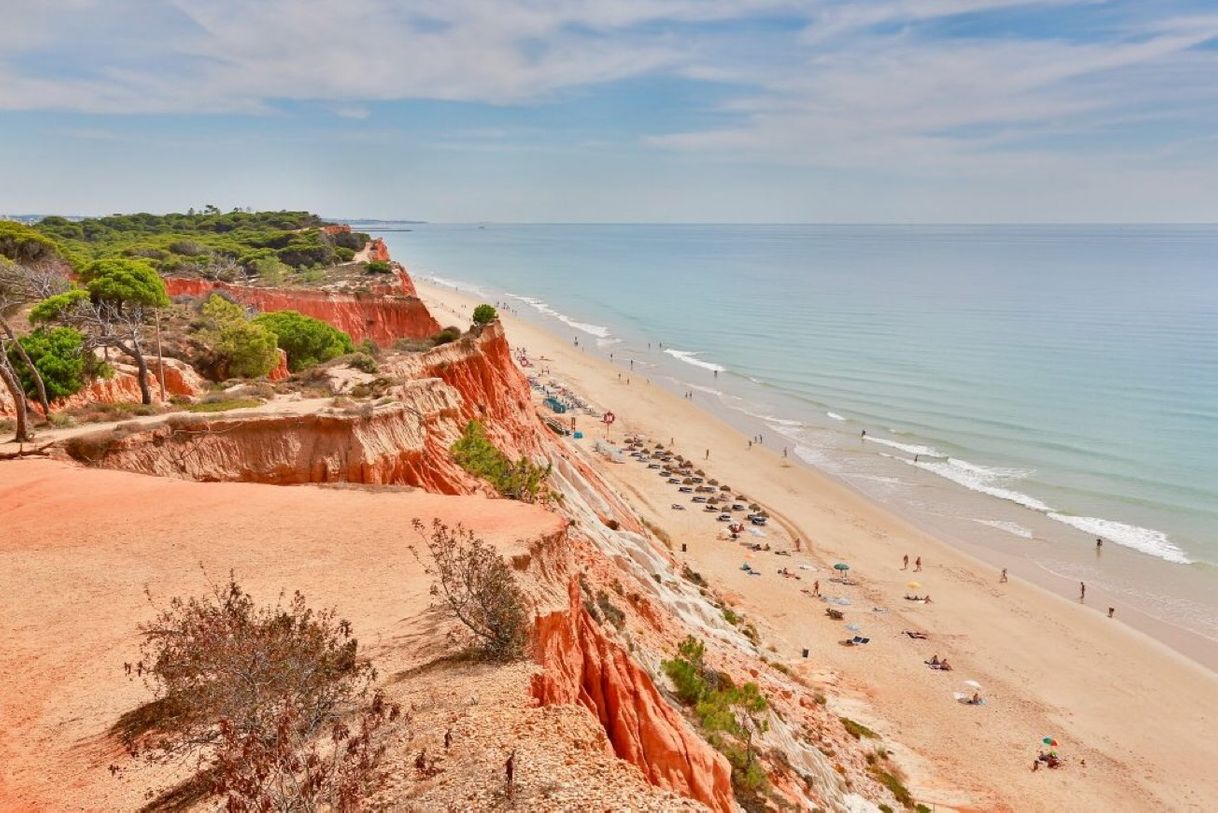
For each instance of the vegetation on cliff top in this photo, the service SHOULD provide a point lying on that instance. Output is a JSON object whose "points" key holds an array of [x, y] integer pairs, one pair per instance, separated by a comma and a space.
{"points": [[485, 314], [112, 309], [209, 243], [244, 348], [306, 340]]}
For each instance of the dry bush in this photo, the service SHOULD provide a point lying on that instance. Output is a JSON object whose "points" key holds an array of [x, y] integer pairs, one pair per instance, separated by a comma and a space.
{"points": [[246, 689], [285, 771], [477, 588]]}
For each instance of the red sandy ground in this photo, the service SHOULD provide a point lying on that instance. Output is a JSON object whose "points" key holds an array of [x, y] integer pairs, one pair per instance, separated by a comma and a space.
{"points": [[78, 548]]}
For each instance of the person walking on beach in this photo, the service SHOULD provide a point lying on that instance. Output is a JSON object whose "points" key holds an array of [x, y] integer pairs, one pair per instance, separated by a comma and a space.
{"points": [[1099, 543], [816, 587], [1082, 591], [708, 454], [1003, 578], [750, 444], [784, 452], [918, 565], [863, 434], [905, 562], [1111, 610]]}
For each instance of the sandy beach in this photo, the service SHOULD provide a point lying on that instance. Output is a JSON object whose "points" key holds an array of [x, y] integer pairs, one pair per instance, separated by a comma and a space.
{"points": [[1132, 716]]}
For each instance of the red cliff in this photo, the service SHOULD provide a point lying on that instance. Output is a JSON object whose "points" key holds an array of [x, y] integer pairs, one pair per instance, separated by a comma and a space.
{"points": [[493, 390], [583, 666], [404, 443], [124, 388], [372, 315], [378, 251]]}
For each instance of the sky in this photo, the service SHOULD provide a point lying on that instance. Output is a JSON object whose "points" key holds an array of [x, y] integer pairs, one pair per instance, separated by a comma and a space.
{"points": [[910, 111]]}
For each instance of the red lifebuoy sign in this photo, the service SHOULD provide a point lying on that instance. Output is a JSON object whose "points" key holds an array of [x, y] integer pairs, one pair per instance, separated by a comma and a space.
{"points": [[609, 417]]}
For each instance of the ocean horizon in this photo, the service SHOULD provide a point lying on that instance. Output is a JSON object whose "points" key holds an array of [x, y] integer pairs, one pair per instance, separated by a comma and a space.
{"points": [[1026, 389]]}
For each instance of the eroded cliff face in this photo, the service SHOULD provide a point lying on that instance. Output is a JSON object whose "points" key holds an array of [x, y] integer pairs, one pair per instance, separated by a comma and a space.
{"points": [[381, 313], [402, 443], [493, 390], [124, 388], [583, 666]]}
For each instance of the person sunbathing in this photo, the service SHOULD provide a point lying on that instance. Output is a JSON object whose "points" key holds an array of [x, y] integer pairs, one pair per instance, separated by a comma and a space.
{"points": [[945, 666], [933, 662]]}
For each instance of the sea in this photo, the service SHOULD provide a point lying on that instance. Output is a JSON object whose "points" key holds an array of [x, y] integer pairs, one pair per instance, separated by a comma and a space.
{"points": [[1023, 390]]}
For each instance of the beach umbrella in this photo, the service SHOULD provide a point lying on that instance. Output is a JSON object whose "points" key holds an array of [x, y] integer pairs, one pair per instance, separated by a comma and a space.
{"points": [[913, 585], [854, 628], [712, 482], [1050, 741], [972, 683], [724, 488], [842, 566]]}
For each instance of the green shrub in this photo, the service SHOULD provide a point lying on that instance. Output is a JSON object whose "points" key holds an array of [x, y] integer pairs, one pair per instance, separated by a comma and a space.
{"points": [[448, 334], [485, 314], [858, 730], [248, 349], [269, 270], [223, 406], [344, 254], [522, 480], [730, 715], [378, 267], [58, 355], [364, 363], [306, 340], [894, 785], [613, 614]]}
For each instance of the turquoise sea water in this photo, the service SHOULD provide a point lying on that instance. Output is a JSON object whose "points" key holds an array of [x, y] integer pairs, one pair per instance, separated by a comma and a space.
{"points": [[1056, 383]]}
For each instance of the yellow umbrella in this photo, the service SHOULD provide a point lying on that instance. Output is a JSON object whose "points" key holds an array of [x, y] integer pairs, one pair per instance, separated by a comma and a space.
{"points": [[913, 585]]}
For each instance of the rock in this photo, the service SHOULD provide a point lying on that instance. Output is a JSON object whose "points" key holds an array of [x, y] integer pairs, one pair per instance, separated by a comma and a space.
{"points": [[581, 665]]}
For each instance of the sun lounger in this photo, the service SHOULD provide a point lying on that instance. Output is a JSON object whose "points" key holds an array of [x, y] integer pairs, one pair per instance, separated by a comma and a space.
{"points": [[919, 636], [677, 507], [857, 640]]}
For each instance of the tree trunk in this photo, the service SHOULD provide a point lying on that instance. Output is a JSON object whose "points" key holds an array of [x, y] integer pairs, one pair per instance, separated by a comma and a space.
{"points": [[14, 387], [38, 382], [142, 365]]}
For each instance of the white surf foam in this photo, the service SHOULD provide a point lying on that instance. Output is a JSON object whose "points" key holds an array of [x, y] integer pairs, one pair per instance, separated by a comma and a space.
{"points": [[877, 478], [600, 331], [607, 342], [835, 416], [691, 357], [1013, 528], [1146, 540], [911, 448], [810, 455], [457, 284], [980, 479]]}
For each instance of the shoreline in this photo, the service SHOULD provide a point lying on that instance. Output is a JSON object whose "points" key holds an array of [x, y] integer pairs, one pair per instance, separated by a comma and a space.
{"points": [[1059, 573], [1042, 658]]}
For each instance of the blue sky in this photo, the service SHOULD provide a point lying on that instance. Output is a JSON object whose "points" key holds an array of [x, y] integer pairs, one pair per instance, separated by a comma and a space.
{"points": [[615, 110]]}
